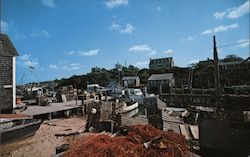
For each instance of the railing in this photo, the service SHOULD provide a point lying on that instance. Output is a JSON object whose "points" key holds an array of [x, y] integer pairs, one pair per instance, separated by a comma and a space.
{"points": [[238, 102]]}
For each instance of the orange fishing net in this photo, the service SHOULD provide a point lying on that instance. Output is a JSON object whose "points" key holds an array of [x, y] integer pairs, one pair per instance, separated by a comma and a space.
{"points": [[169, 144]]}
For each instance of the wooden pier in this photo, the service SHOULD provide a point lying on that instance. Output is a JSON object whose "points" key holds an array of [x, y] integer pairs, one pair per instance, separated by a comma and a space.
{"points": [[60, 109], [55, 109]]}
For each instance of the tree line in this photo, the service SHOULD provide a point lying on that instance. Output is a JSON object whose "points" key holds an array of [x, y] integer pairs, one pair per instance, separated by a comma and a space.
{"points": [[202, 75]]}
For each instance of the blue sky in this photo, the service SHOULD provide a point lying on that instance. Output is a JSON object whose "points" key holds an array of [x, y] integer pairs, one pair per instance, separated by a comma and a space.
{"points": [[61, 38]]}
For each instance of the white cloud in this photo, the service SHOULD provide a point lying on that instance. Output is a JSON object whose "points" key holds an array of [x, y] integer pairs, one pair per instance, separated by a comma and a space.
{"points": [[75, 64], [233, 13], [225, 28], [115, 26], [159, 8], [40, 33], [153, 52], [143, 48], [244, 43], [189, 38], [31, 63], [115, 3], [27, 60], [64, 66], [141, 64], [209, 31], [89, 53], [53, 66], [239, 11], [63, 61], [70, 53], [168, 51], [25, 57], [220, 28], [219, 15], [72, 66], [4, 26], [128, 29], [140, 48], [49, 3]]}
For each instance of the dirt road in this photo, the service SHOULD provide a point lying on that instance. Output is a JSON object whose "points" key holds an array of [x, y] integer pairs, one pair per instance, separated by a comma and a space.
{"points": [[44, 142]]}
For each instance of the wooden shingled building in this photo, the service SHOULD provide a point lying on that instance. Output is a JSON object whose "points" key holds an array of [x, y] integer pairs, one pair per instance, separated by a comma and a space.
{"points": [[8, 55]]}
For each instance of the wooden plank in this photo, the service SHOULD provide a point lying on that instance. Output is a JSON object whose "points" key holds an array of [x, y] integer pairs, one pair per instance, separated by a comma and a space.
{"points": [[14, 116], [185, 113], [106, 106], [171, 126], [54, 107], [185, 132], [195, 131], [141, 120], [127, 121], [105, 115]]}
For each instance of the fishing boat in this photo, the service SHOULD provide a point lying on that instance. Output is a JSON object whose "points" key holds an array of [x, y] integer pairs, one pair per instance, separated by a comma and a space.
{"points": [[131, 113], [129, 106], [14, 127], [136, 94]]}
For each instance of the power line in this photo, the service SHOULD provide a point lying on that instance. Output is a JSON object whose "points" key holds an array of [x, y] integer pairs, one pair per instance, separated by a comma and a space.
{"points": [[234, 44]]}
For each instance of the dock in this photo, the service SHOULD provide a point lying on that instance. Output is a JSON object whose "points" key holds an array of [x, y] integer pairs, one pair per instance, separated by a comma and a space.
{"points": [[55, 109]]}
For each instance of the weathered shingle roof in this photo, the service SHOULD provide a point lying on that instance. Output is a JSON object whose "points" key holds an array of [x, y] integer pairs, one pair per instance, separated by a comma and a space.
{"points": [[130, 78], [167, 76], [6, 46]]}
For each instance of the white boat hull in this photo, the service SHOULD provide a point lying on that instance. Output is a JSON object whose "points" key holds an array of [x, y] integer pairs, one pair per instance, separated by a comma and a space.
{"points": [[130, 107]]}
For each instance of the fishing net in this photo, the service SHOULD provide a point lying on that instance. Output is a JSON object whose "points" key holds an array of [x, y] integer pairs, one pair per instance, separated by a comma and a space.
{"points": [[168, 144]]}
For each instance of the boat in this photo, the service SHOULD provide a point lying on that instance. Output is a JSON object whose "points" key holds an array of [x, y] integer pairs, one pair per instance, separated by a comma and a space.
{"points": [[115, 89], [129, 106], [131, 113], [136, 94], [14, 127]]}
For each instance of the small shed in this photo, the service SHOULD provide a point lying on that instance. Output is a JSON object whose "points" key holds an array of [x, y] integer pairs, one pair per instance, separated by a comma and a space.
{"points": [[8, 55], [161, 83], [131, 81]]}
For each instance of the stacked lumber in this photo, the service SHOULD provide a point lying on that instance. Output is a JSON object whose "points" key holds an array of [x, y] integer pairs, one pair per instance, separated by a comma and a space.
{"points": [[189, 131], [69, 92]]}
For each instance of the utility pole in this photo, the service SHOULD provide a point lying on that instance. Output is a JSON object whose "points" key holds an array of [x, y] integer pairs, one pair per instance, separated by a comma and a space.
{"points": [[216, 72], [190, 79]]}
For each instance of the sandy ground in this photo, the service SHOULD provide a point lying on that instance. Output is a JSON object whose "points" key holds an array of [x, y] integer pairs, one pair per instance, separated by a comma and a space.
{"points": [[44, 142]]}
